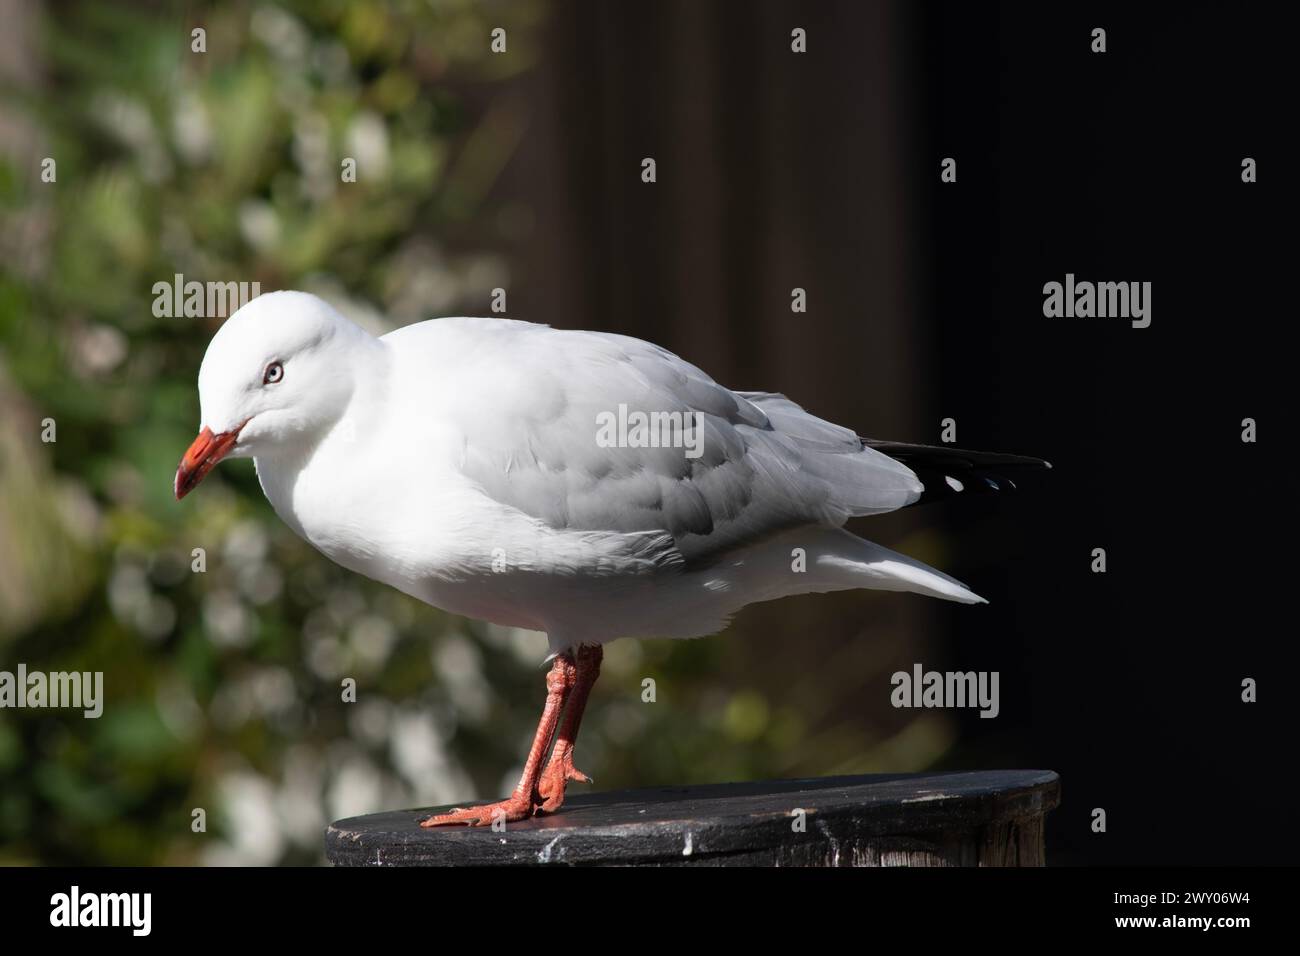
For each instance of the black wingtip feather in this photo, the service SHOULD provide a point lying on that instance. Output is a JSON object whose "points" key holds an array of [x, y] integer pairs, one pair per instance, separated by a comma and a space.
{"points": [[953, 472]]}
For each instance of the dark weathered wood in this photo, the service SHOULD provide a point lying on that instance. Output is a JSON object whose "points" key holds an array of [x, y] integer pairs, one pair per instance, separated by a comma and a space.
{"points": [[992, 818]]}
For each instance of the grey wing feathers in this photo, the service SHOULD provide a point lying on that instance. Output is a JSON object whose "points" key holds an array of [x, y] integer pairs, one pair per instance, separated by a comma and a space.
{"points": [[862, 480], [765, 464]]}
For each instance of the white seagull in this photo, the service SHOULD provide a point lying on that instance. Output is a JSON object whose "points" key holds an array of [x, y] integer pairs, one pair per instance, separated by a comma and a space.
{"points": [[585, 484]]}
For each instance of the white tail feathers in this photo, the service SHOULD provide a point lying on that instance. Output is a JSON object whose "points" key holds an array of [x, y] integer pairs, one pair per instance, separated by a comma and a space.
{"points": [[887, 570], [833, 560]]}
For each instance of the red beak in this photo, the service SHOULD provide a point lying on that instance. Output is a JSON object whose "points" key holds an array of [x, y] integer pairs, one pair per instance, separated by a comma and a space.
{"points": [[202, 456]]}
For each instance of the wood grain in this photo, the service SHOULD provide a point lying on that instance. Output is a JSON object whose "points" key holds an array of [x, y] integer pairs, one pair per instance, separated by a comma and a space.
{"points": [[990, 818]]}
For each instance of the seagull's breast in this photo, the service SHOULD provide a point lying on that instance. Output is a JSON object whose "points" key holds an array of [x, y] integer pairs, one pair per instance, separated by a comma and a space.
{"points": [[363, 503], [385, 500]]}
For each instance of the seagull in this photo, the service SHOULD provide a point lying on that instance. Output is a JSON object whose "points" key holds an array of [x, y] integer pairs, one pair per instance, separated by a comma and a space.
{"points": [[587, 485]]}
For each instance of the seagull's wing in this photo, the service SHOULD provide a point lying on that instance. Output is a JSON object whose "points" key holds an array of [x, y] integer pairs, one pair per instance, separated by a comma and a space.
{"points": [[531, 403]]}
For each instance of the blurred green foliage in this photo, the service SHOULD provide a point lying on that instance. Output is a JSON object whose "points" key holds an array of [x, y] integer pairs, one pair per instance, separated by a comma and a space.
{"points": [[223, 687]]}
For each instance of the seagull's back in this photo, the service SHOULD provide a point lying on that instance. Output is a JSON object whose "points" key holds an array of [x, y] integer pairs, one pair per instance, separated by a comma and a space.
{"points": [[528, 401]]}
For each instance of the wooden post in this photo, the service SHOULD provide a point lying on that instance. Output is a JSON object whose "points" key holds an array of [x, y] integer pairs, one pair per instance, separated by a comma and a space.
{"points": [[990, 818]]}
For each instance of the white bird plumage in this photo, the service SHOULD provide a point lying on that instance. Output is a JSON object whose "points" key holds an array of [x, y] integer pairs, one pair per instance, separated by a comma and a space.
{"points": [[457, 460]]}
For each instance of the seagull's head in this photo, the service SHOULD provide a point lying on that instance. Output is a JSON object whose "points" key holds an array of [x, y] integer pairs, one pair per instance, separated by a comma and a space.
{"points": [[275, 374]]}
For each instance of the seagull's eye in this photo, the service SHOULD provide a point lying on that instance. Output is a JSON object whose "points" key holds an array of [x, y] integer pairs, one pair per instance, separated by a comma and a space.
{"points": [[274, 372]]}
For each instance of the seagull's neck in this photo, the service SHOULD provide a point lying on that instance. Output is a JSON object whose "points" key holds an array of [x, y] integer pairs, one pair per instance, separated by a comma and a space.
{"points": [[281, 468]]}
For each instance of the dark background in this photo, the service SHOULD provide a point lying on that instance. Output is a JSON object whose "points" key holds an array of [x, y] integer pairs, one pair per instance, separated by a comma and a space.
{"points": [[822, 171]]}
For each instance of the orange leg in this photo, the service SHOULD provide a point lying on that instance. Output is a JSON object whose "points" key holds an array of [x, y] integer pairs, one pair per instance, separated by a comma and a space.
{"points": [[560, 769], [520, 805]]}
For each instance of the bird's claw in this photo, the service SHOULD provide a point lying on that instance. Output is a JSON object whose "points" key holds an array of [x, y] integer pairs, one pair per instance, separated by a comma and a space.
{"points": [[551, 786], [510, 810]]}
